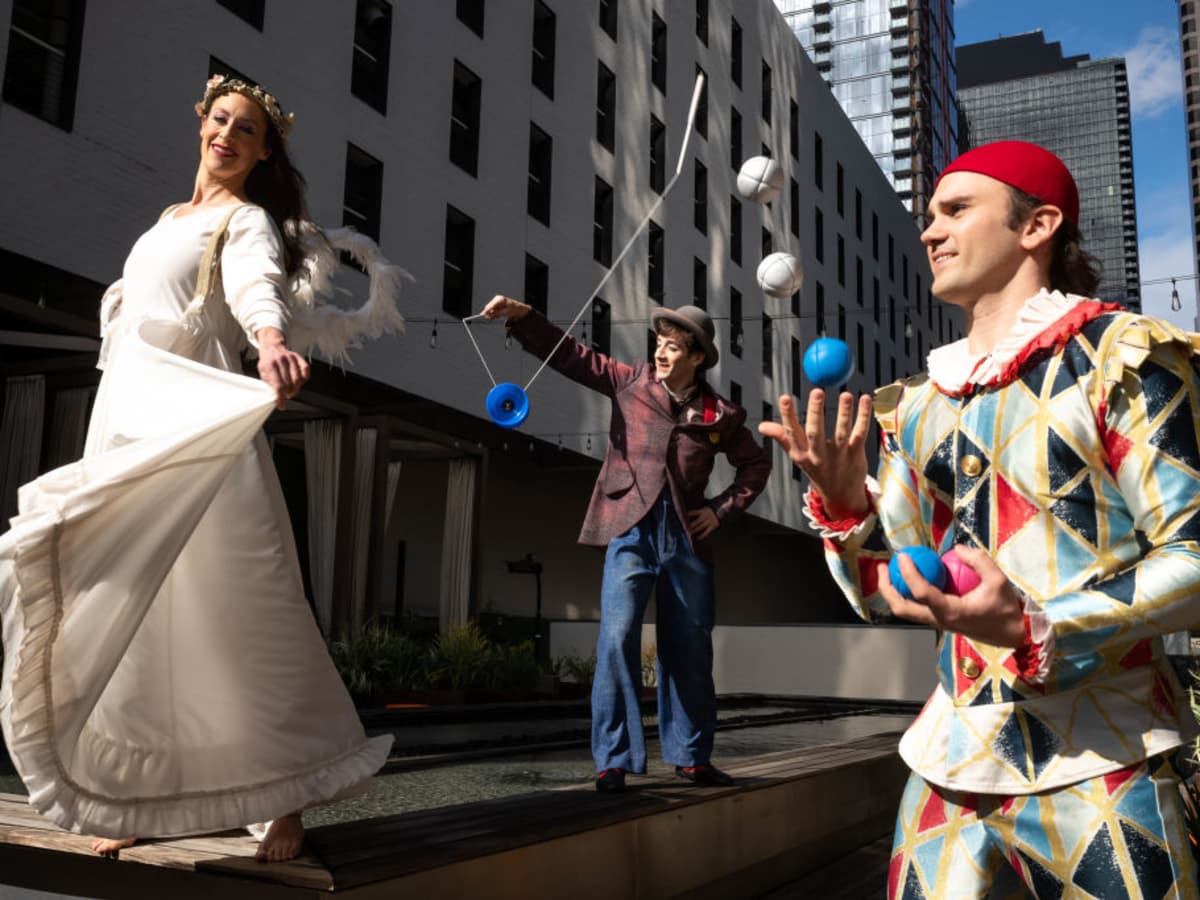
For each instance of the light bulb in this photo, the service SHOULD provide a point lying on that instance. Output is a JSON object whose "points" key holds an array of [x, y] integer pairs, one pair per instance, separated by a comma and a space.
{"points": [[1175, 302]]}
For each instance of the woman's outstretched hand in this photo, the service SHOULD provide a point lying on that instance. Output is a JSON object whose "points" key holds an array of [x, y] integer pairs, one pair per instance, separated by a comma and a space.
{"points": [[837, 465], [281, 369]]}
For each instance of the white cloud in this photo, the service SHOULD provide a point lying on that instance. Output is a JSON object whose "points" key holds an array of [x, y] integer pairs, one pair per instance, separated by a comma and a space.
{"points": [[1165, 255], [1155, 77]]}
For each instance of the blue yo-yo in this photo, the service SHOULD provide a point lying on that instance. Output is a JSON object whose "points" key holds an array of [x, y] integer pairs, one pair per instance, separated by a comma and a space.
{"points": [[507, 405], [828, 362], [928, 564]]}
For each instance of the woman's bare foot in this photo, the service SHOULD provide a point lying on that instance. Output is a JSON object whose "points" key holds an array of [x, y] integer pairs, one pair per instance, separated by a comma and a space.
{"points": [[283, 840], [112, 847]]}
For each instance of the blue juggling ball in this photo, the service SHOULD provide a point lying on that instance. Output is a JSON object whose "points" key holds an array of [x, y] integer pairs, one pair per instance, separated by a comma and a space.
{"points": [[928, 564], [507, 404], [828, 362]]}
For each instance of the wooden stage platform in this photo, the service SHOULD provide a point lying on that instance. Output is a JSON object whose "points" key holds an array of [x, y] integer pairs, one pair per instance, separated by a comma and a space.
{"points": [[791, 813]]}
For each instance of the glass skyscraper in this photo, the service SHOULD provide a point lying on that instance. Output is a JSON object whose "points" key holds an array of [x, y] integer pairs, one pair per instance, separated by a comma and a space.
{"points": [[1023, 88], [1191, 98], [890, 63]]}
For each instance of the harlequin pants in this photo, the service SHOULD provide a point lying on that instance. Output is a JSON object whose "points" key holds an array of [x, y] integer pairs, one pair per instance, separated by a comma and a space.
{"points": [[654, 555], [1120, 835]]}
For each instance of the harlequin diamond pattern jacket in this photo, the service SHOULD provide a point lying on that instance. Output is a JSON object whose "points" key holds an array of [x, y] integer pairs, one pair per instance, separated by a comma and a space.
{"points": [[1076, 466]]}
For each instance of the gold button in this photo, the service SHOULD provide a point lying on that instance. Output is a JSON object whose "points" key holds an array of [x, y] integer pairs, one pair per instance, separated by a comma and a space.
{"points": [[971, 465], [968, 667]]}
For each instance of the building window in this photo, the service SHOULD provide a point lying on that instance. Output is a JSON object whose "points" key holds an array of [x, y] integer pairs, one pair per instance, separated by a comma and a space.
{"points": [[658, 53], [537, 284], [216, 67], [891, 258], [363, 192], [841, 189], [458, 267], [470, 13], [735, 392], [601, 326], [658, 155], [794, 208], [858, 280], [606, 107], [892, 317], [735, 230], [768, 415], [858, 217], [541, 154], [608, 18], [602, 223], [794, 128], [819, 234], [818, 162], [657, 262], [735, 52], [543, 48], [699, 284], [702, 106], [767, 338], [861, 356], [735, 327], [878, 366], [700, 197], [252, 12], [875, 299], [766, 92], [820, 310], [372, 46], [904, 280], [735, 140], [702, 21], [42, 72], [875, 236], [841, 260], [841, 322], [464, 119]]}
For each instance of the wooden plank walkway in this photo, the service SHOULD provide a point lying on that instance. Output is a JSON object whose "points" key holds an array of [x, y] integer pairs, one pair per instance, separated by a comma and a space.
{"points": [[791, 812]]}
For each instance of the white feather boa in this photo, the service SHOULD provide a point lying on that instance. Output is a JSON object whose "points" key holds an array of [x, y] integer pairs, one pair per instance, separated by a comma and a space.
{"points": [[320, 326]]}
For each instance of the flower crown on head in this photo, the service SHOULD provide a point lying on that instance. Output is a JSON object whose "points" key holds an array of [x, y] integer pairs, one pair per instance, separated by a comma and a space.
{"points": [[219, 85]]}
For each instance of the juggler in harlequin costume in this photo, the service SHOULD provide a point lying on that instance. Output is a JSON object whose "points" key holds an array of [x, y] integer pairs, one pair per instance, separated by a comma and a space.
{"points": [[1056, 446]]}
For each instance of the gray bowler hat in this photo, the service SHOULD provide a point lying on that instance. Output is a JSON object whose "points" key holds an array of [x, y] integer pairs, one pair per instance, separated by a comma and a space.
{"points": [[696, 322]]}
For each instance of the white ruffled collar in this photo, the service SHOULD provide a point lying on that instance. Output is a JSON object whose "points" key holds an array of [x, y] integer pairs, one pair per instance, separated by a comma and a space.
{"points": [[953, 367]]}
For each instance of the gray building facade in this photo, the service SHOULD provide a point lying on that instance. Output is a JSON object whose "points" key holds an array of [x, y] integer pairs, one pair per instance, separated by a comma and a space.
{"points": [[1023, 88], [1190, 58]]}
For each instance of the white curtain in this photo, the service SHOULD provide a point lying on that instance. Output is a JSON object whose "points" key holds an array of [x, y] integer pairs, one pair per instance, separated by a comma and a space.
{"points": [[393, 482], [456, 545], [364, 480], [68, 426], [20, 438], [322, 462]]}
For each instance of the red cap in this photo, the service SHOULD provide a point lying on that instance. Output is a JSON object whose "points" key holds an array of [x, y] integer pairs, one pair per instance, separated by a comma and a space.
{"points": [[1027, 167]]}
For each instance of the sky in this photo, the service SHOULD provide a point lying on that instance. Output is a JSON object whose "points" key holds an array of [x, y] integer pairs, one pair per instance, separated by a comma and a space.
{"points": [[1146, 33]]}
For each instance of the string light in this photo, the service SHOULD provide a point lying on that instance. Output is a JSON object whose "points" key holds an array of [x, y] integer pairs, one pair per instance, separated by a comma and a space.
{"points": [[1175, 302]]}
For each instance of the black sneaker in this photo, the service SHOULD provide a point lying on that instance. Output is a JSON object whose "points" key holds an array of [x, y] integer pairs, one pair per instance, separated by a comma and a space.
{"points": [[611, 781], [709, 776]]}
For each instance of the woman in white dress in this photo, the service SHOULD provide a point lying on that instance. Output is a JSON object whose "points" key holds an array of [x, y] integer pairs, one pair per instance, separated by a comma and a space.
{"points": [[163, 673]]}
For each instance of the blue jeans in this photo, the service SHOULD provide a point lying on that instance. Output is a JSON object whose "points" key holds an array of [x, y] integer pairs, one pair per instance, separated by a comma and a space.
{"points": [[655, 553]]}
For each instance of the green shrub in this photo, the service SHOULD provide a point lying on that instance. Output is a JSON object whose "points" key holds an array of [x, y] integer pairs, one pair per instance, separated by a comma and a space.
{"points": [[579, 669], [375, 659], [460, 658], [513, 669]]}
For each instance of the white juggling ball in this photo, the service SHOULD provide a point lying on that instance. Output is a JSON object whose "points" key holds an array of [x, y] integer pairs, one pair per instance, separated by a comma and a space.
{"points": [[760, 179], [780, 275]]}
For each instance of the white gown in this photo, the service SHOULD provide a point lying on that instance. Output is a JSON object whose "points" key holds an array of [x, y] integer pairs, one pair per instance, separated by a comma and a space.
{"points": [[163, 673]]}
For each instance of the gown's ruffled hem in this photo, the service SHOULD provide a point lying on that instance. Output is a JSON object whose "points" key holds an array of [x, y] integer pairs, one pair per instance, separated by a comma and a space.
{"points": [[34, 620]]}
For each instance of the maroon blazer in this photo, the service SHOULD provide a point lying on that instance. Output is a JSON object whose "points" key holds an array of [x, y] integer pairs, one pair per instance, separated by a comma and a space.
{"points": [[648, 449]]}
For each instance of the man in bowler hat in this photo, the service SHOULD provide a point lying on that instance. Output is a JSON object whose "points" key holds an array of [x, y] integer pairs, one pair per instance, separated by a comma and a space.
{"points": [[648, 509]]}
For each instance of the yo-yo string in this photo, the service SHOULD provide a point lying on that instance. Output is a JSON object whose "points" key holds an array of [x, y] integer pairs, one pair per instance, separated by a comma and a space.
{"points": [[466, 324], [687, 136]]}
